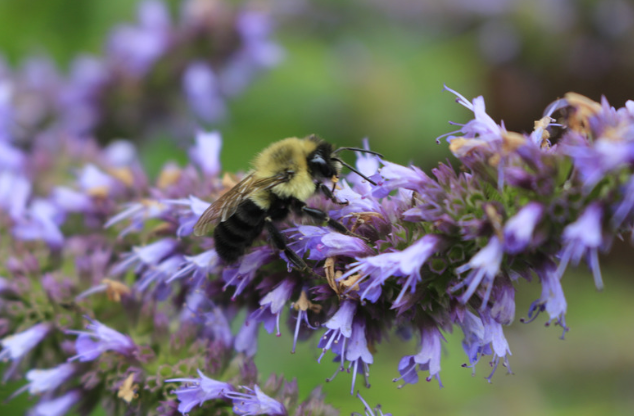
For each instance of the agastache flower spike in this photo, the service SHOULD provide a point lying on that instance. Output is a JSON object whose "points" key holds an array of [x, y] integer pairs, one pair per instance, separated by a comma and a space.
{"points": [[99, 339], [584, 236], [199, 390], [255, 403]]}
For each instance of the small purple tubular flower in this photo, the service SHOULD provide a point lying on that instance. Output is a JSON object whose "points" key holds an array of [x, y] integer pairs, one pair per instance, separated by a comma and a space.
{"points": [[324, 243], [99, 339], [339, 327], [484, 266], [405, 264], [473, 343], [15, 190], [255, 403], [149, 255], [271, 306], [17, 345], [518, 231], [584, 236], [42, 381], [247, 339], [427, 359], [199, 390], [357, 352], [138, 212], [552, 300], [242, 274], [41, 223], [198, 266], [397, 176], [70, 200], [494, 334], [59, 406]]}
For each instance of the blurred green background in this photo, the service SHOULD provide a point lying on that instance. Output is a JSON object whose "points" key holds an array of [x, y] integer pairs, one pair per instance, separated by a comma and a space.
{"points": [[356, 69]]}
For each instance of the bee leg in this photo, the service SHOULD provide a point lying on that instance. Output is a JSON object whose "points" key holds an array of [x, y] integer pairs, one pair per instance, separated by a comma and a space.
{"points": [[334, 224], [279, 241], [326, 191]]}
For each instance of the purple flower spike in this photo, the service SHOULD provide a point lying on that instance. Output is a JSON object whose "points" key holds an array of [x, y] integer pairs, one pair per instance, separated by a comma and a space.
{"points": [[255, 403], [484, 266], [90, 345], [427, 359], [199, 390], [518, 231], [271, 306], [584, 236], [17, 345], [59, 406]]}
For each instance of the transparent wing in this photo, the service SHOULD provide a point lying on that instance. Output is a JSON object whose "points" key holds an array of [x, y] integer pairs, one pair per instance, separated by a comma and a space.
{"points": [[225, 206]]}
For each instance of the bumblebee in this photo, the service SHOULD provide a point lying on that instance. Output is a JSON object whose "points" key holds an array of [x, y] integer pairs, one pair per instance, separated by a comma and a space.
{"points": [[283, 177]]}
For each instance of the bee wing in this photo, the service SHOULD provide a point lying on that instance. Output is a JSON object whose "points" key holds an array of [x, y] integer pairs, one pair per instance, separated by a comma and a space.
{"points": [[225, 206]]}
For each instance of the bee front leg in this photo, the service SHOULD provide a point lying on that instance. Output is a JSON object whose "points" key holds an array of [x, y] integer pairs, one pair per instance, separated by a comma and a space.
{"points": [[279, 241], [334, 224], [328, 193]]}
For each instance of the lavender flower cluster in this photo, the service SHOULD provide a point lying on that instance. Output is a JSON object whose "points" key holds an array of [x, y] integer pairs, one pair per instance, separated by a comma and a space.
{"points": [[159, 73], [114, 250]]}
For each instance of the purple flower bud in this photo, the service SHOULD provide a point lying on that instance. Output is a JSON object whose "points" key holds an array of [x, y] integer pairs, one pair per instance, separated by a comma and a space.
{"points": [[584, 236], [518, 231], [99, 339], [17, 345], [199, 390], [255, 403], [58, 406]]}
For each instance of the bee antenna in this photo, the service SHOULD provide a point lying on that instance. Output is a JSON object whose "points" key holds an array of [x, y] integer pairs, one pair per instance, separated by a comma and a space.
{"points": [[353, 169], [356, 149]]}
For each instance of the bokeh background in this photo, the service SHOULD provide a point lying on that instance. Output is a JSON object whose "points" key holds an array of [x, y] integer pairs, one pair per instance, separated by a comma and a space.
{"points": [[370, 68]]}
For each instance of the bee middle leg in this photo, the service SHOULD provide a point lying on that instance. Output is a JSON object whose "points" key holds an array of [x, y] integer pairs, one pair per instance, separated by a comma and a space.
{"points": [[279, 241]]}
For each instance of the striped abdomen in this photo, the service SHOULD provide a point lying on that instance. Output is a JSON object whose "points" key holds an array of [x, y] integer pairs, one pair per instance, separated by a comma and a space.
{"points": [[237, 233]]}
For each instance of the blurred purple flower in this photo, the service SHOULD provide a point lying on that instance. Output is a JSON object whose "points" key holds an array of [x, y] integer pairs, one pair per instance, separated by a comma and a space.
{"points": [[206, 152], [58, 406], [99, 339], [41, 222], [198, 390], [518, 230], [247, 339], [44, 381], [15, 190], [15, 346], [203, 93], [584, 237], [255, 403], [149, 255], [427, 359]]}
